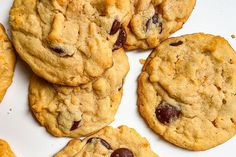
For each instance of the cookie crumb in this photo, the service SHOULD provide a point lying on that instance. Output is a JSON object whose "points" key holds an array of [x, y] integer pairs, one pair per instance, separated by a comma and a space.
{"points": [[9, 111], [233, 36], [142, 61]]}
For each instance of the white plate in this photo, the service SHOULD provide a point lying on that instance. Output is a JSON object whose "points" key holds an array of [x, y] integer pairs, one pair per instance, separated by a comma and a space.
{"points": [[28, 139]]}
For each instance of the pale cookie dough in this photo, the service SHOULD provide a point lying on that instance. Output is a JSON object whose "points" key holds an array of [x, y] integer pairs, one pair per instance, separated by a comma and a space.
{"points": [[69, 42], [79, 111], [155, 20], [109, 142], [7, 62], [5, 150], [187, 91]]}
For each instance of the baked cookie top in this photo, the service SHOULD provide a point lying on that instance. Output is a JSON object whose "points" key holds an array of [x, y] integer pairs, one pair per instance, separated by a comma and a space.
{"points": [[187, 91], [155, 20], [109, 142], [5, 150], [69, 42], [7, 62], [79, 111]]}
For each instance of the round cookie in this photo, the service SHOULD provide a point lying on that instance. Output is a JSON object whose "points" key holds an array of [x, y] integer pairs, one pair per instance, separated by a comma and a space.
{"points": [[79, 111], [109, 142], [187, 91], [69, 42], [5, 150], [7, 62], [155, 20]]}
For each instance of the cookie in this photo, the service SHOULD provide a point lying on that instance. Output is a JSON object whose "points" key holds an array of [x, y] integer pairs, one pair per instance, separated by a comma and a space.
{"points": [[7, 62], [79, 111], [112, 142], [69, 42], [155, 20], [5, 150], [187, 91]]}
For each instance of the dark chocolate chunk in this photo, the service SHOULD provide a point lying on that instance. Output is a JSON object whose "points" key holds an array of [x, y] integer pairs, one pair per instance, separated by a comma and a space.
{"points": [[121, 39], [58, 50], [155, 19], [122, 152], [176, 43], [167, 113], [75, 125], [115, 27], [103, 142]]}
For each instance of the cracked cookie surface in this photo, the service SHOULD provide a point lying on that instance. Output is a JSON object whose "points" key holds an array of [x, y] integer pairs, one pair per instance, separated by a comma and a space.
{"points": [[187, 91], [109, 142], [155, 20], [79, 111], [7, 62], [5, 150], [69, 42]]}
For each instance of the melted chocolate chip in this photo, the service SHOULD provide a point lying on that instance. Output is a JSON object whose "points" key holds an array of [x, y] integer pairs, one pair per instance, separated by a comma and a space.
{"points": [[122, 152], [155, 19], [167, 113], [121, 39], [115, 27], [176, 43], [103, 142], [75, 125]]}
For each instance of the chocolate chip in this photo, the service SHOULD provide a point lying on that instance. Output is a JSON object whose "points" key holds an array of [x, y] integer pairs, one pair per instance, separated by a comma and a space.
{"points": [[58, 50], [176, 43], [121, 39], [103, 142], [75, 125], [115, 27], [155, 19], [161, 26], [167, 113], [122, 152]]}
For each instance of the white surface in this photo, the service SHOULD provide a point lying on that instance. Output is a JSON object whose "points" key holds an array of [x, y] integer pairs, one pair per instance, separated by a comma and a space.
{"points": [[28, 139]]}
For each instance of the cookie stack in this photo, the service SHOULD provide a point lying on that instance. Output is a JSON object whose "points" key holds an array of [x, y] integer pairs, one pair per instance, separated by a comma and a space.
{"points": [[76, 49]]}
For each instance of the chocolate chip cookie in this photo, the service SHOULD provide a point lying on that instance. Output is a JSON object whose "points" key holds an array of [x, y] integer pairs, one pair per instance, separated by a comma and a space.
{"points": [[69, 42], [5, 150], [7, 62], [155, 20], [79, 111], [109, 142], [187, 91]]}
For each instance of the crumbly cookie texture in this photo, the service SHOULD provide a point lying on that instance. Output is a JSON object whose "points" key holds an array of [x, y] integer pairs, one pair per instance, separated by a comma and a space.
{"points": [[7, 62], [187, 91], [69, 42], [79, 111], [155, 20], [109, 142], [5, 150]]}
